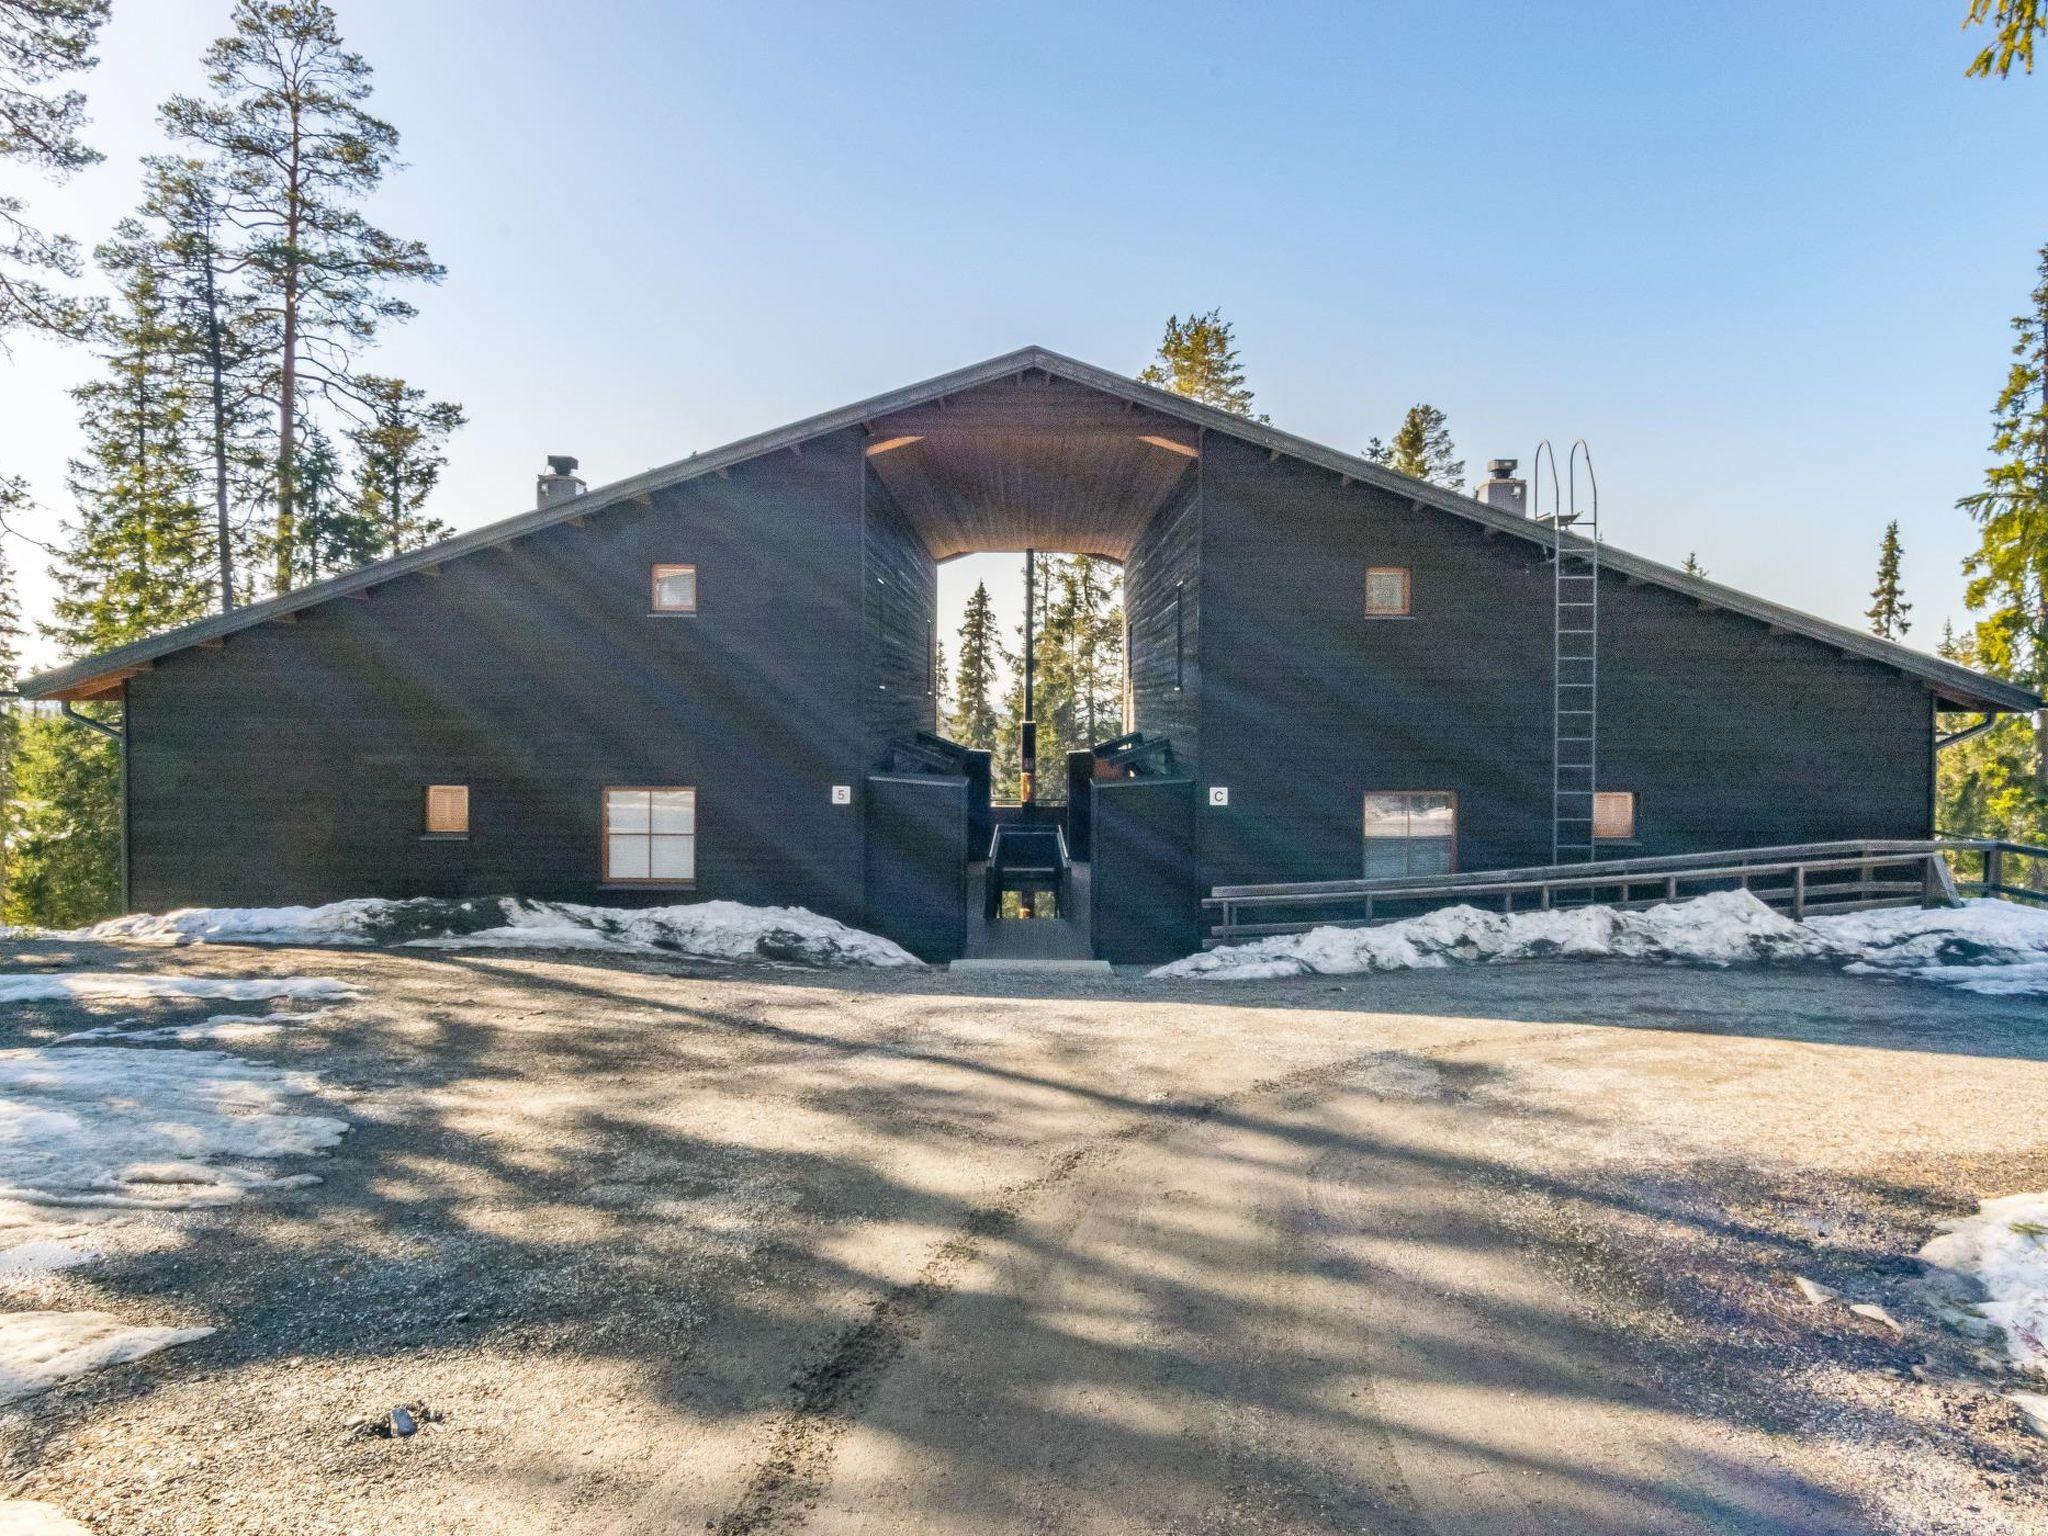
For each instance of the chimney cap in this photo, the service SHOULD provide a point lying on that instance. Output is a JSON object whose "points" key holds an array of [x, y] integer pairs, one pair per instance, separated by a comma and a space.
{"points": [[1500, 469], [561, 464]]}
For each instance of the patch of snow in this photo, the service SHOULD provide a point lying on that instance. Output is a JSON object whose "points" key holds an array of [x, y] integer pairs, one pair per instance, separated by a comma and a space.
{"points": [[715, 930], [40, 1350], [1980, 932], [85, 986], [43, 1256], [130, 1128], [220, 1028], [30, 1517], [2004, 1248]]}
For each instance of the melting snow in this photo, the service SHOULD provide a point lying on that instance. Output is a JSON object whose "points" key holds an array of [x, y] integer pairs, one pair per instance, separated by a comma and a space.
{"points": [[222, 1028], [83, 986], [2004, 1248], [719, 930], [1981, 946], [38, 1350]]}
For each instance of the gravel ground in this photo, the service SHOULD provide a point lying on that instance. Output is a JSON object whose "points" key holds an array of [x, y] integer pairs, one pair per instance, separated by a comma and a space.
{"points": [[654, 1247]]}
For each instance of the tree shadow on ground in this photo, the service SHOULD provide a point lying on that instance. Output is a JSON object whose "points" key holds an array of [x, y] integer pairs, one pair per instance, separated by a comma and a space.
{"points": [[987, 1239]]}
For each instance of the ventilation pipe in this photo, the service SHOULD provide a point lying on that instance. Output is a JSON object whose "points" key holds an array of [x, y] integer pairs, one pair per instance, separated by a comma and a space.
{"points": [[1502, 490], [559, 484]]}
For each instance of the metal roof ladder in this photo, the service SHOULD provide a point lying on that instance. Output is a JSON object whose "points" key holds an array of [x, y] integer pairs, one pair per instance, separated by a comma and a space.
{"points": [[1575, 660]]}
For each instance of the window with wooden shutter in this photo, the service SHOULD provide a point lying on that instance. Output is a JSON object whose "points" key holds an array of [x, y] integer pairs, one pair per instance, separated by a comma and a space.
{"points": [[447, 810], [1614, 815], [1386, 592], [675, 589], [650, 836]]}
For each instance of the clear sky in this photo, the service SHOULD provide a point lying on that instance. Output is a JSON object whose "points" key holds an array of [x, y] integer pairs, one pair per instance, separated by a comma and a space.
{"points": [[1761, 256]]}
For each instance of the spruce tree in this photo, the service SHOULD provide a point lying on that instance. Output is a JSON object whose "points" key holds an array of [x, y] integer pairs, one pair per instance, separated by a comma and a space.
{"points": [[13, 499], [1693, 566], [2008, 571], [1198, 358], [41, 41], [298, 154], [972, 719], [137, 559], [400, 453], [1422, 448], [1888, 606]]}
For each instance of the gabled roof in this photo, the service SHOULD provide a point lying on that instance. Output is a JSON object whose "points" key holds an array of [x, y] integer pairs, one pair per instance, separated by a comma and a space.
{"points": [[1955, 686]]}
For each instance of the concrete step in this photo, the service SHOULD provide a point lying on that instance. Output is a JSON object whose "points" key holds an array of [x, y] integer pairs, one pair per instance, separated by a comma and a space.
{"points": [[1037, 966]]}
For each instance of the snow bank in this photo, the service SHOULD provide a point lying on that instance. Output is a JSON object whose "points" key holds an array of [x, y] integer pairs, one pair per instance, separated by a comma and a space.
{"points": [[2004, 1248], [64, 986], [1982, 946], [38, 1350], [715, 930], [1725, 928], [719, 930]]}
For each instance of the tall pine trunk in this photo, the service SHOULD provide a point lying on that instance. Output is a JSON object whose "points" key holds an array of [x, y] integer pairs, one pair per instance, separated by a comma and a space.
{"points": [[216, 365], [288, 392]]}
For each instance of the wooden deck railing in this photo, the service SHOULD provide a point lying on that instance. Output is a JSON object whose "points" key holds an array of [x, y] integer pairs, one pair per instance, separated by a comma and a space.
{"points": [[1802, 878]]}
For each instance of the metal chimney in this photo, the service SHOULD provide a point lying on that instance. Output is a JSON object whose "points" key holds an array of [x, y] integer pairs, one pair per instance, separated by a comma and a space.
{"points": [[559, 484], [1501, 489]]}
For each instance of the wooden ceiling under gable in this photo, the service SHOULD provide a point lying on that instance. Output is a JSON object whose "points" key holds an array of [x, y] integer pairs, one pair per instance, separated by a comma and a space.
{"points": [[1032, 462]]}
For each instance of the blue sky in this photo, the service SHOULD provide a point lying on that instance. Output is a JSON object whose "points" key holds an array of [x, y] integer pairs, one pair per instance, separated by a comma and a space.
{"points": [[1761, 256]]}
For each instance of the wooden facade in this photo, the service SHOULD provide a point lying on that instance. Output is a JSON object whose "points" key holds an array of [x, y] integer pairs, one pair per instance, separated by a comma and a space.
{"points": [[278, 762]]}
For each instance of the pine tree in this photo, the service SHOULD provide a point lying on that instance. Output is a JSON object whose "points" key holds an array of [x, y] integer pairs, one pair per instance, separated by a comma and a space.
{"points": [[2016, 22], [40, 42], [1198, 358], [226, 340], [1693, 566], [2008, 571], [1422, 448], [335, 532], [1888, 606], [137, 560], [401, 451], [942, 684], [298, 153], [972, 720]]}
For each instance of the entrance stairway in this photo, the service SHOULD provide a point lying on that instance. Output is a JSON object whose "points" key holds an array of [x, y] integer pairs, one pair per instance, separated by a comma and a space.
{"points": [[1062, 943]]}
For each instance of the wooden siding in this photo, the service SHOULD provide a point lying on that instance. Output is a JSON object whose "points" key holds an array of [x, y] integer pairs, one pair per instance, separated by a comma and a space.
{"points": [[1163, 606], [289, 764], [899, 589], [1730, 736]]}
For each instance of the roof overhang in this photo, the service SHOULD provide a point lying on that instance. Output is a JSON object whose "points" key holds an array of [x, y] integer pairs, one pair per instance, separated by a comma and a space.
{"points": [[1952, 686]]}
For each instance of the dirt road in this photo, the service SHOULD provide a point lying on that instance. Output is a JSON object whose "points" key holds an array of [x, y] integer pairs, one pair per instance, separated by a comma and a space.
{"points": [[1488, 1250]]}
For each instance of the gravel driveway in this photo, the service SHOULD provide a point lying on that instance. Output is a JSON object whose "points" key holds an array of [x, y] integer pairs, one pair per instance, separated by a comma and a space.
{"points": [[660, 1247]]}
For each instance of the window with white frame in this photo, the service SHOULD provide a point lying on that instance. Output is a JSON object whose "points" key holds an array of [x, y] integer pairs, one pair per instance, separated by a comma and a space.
{"points": [[650, 836], [1410, 832]]}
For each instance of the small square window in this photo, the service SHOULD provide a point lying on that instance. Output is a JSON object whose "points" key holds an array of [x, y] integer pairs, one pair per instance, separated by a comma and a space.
{"points": [[1614, 815], [1386, 592], [675, 589], [1409, 833], [447, 810]]}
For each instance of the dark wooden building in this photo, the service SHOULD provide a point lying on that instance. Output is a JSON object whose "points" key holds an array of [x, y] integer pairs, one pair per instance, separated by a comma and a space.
{"points": [[710, 680]]}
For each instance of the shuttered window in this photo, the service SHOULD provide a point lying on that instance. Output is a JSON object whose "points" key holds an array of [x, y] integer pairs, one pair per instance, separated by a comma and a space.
{"points": [[1386, 592], [1614, 815], [447, 810], [1410, 833], [675, 589], [650, 836]]}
